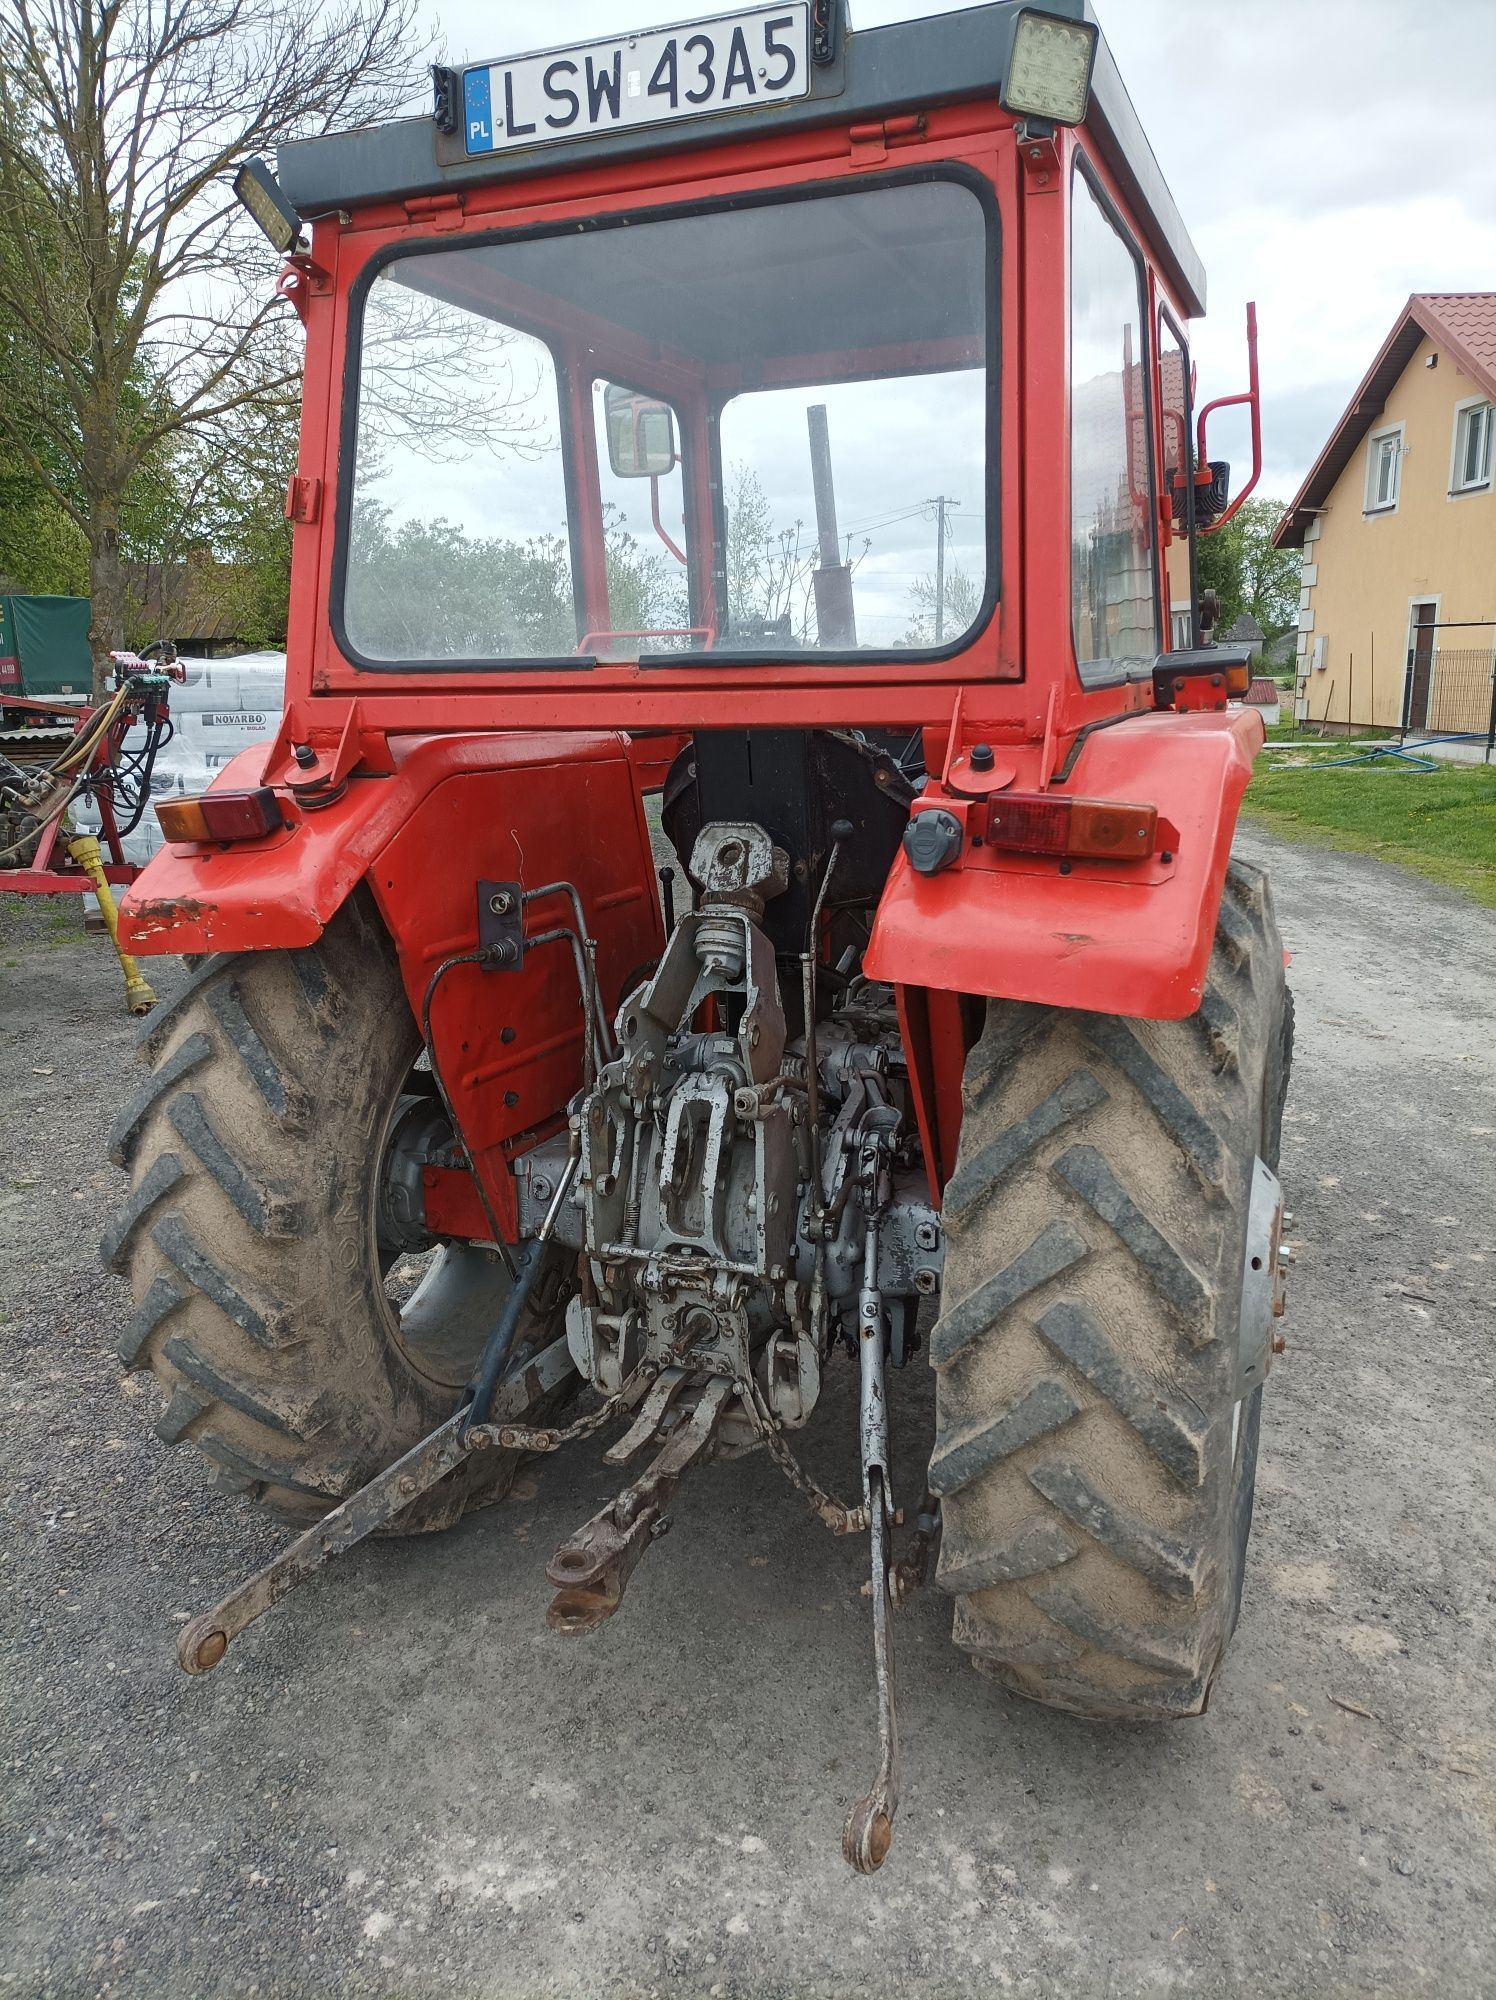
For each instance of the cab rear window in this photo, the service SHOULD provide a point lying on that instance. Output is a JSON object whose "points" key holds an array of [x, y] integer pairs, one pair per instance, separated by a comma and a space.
{"points": [[762, 428]]}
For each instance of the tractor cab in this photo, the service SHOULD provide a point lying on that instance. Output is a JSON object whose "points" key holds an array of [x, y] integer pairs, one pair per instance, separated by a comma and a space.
{"points": [[742, 888], [758, 345]]}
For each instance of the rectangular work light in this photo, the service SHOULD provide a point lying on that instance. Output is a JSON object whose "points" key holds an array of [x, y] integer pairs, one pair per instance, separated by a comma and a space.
{"points": [[260, 193], [1049, 69]]}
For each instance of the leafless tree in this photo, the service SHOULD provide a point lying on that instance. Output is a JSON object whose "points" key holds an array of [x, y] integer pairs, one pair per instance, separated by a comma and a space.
{"points": [[138, 307]]}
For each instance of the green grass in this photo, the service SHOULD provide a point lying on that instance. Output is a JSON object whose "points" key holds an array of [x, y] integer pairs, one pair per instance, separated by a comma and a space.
{"points": [[1278, 732], [1440, 823]]}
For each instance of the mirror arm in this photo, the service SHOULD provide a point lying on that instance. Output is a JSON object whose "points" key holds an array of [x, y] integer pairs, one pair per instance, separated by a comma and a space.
{"points": [[659, 525], [1253, 397]]}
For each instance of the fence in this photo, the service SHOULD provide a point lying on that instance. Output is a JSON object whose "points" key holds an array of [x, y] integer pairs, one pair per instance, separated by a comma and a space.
{"points": [[1451, 690]]}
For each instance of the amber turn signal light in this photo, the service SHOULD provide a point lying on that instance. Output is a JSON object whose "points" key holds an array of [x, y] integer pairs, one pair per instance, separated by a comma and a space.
{"points": [[1097, 829], [221, 816]]}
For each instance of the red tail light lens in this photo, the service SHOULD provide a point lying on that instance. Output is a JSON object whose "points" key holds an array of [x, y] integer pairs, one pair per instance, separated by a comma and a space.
{"points": [[222, 816], [1041, 826], [1098, 829]]}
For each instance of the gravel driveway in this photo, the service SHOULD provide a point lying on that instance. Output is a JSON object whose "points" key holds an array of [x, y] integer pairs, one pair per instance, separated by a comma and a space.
{"points": [[400, 1784]]}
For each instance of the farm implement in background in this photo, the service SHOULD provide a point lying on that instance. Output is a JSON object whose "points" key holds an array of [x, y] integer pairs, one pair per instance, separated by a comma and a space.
{"points": [[60, 753]]}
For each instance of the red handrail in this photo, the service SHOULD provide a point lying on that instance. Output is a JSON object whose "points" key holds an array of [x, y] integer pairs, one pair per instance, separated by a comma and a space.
{"points": [[1253, 396]]}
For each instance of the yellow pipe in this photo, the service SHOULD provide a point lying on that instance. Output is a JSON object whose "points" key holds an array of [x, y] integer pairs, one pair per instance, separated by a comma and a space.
{"points": [[84, 848]]}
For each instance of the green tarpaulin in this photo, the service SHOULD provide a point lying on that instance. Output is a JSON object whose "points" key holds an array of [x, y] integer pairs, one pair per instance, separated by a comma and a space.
{"points": [[44, 646]]}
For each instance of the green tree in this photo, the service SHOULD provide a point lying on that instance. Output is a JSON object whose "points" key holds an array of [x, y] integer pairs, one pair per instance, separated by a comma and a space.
{"points": [[643, 595], [431, 590], [769, 569], [963, 600], [1247, 573], [136, 298]]}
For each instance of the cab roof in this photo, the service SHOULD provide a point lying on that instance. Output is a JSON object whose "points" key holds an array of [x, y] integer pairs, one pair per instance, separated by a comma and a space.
{"points": [[878, 73]]}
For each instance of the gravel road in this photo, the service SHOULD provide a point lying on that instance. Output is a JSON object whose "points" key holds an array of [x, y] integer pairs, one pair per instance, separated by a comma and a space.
{"points": [[399, 1784]]}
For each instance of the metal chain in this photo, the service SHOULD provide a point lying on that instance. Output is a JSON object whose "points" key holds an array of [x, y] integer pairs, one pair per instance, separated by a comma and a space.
{"points": [[520, 1437], [831, 1512]]}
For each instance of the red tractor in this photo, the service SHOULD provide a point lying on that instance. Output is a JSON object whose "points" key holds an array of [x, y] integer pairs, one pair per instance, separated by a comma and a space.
{"points": [[778, 446]]}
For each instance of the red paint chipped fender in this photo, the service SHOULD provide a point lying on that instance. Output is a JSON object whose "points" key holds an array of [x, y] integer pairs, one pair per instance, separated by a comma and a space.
{"points": [[1136, 936]]}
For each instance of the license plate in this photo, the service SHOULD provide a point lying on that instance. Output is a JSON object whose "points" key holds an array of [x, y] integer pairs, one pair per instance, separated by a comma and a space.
{"points": [[760, 56]]}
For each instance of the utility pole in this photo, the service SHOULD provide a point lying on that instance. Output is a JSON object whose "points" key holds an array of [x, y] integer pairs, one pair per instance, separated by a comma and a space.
{"points": [[940, 504]]}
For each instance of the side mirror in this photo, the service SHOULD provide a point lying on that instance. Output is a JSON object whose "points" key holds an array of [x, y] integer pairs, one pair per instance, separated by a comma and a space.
{"points": [[641, 434]]}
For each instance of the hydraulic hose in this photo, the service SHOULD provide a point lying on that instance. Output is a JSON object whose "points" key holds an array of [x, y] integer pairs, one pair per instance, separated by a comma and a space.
{"points": [[448, 965]]}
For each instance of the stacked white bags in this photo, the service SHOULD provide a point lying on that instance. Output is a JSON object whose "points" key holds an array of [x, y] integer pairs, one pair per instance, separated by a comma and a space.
{"points": [[221, 708]]}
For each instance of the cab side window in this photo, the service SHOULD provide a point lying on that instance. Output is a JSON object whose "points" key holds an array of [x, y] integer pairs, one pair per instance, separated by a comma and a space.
{"points": [[1113, 578], [1174, 408]]}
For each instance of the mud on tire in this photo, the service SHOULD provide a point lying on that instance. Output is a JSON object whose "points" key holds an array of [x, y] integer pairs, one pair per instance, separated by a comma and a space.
{"points": [[249, 1236], [1094, 1464]]}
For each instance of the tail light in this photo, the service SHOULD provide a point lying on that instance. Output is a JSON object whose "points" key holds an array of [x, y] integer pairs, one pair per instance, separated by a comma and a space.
{"points": [[222, 816], [1097, 829]]}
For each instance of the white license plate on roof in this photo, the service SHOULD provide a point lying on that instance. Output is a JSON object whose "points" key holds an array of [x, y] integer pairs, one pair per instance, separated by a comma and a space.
{"points": [[759, 56]]}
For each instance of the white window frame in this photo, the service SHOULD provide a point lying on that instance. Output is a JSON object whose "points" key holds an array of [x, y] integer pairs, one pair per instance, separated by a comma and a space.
{"points": [[1463, 413], [1373, 454]]}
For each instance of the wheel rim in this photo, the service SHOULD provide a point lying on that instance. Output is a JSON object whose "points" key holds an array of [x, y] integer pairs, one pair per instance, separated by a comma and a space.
{"points": [[439, 1301]]}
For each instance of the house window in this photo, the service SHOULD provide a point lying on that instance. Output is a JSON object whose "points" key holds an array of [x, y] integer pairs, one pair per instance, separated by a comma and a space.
{"points": [[1384, 470], [1472, 448]]}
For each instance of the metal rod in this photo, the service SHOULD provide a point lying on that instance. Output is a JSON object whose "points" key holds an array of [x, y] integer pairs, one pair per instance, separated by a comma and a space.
{"points": [[203, 1643], [589, 943], [597, 1048], [868, 1831], [500, 1343]]}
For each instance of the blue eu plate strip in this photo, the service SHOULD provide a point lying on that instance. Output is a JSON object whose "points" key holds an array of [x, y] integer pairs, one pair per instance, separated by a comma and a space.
{"points": [[477, 111]]}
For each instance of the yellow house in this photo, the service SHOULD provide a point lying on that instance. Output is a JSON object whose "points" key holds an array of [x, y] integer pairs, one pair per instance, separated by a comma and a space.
{"points": [[1397, 521]]}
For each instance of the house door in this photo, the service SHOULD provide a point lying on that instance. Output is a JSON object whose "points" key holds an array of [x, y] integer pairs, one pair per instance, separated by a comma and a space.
{"points": [[1420, 665]]}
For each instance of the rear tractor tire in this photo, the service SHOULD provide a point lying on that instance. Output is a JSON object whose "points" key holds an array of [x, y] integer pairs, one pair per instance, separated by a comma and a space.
{"points": [[300, 1350], [1095, 1455]]}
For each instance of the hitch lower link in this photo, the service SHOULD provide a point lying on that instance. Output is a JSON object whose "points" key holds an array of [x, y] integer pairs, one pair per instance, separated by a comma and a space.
{"points": [[591, 1569]]}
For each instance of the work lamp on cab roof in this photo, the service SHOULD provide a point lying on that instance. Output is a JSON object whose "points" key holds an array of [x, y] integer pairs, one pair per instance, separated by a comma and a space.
{"points": [[1049, 71], [259, 192]]}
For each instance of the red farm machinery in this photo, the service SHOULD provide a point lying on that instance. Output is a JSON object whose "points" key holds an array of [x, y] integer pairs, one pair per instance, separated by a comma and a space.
{"points": [[672, 950], [65, 753]]}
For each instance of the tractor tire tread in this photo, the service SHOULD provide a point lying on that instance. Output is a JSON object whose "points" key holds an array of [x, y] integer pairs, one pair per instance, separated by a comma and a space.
{"points": [[1093, 1463], [247, 1232]]}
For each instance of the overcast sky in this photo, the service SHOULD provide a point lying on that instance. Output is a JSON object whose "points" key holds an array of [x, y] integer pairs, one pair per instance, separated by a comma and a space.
{"points": [[1329, 158]]}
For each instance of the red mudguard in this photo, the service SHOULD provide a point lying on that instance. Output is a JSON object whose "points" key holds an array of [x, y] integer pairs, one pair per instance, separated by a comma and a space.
{"points": [[1114, 937], [448, 813]]}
